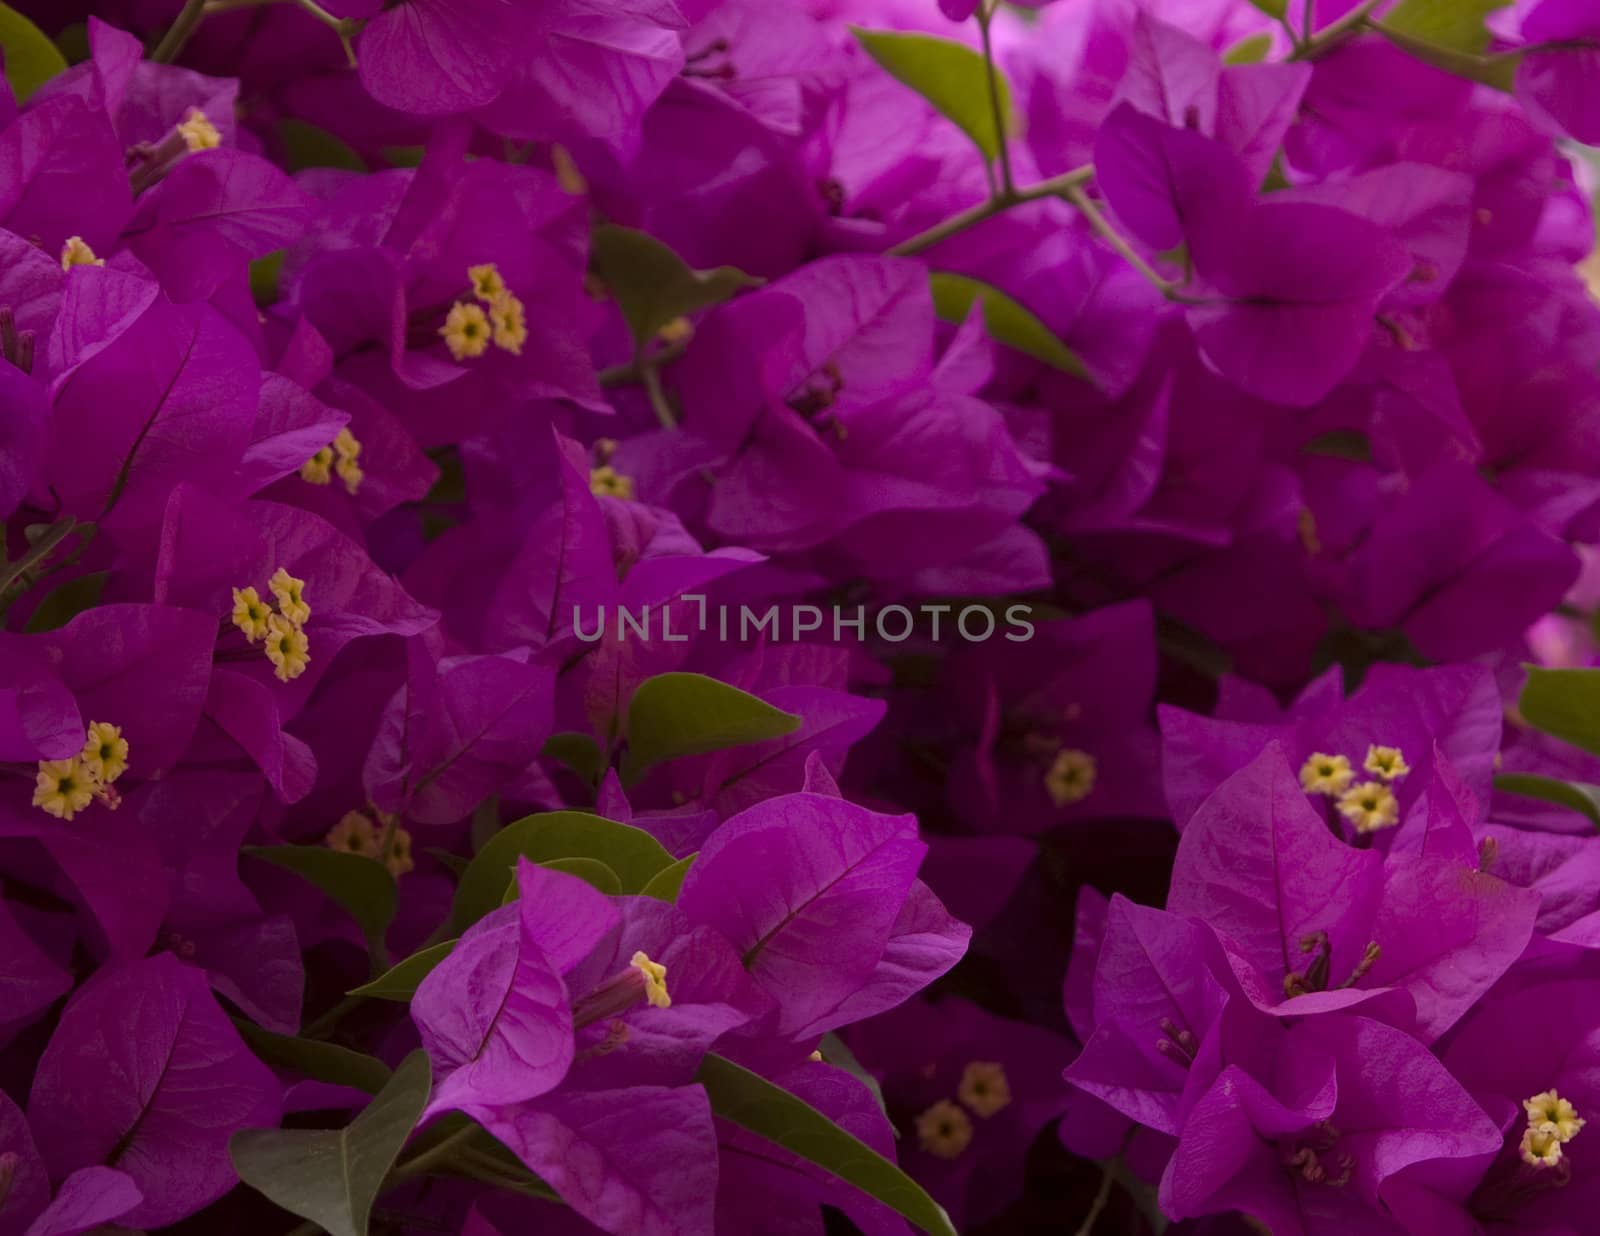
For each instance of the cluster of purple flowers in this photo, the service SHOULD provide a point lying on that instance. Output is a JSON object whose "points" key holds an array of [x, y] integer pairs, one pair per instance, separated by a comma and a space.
{"points": [[1220, 373]]}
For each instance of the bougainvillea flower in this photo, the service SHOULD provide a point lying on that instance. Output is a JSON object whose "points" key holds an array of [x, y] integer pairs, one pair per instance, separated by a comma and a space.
{"points": [[1360, 1129], [1550, 80], [1069, 745], [997, 1082], [1326, 925], [821, 899], [146, 1074]]}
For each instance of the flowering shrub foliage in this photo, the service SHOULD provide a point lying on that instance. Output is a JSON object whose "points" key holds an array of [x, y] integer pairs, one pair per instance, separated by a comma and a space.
{"points": [[768, 617]]}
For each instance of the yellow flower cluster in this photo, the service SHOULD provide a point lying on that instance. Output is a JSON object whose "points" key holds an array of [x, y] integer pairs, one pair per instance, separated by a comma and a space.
{"points": [[65, 787], [1369, 805], [945, 1129], [283, 631], [339, 458], [495, 316], [1552, 1123], [355, 833]]}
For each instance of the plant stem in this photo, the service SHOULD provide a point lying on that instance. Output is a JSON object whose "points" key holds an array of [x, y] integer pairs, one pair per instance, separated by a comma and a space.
{"points": [[178, 34], [1321, 43], [1101, 1197], [1007, 185], [1056, 186], [1117, 241]]}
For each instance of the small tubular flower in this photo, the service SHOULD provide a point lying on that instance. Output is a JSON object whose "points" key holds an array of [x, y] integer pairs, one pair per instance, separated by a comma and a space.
{"points": [[198, 132], [984, 1089], [1370, 806], [1070, 777], [250, 613], [63, 788], [944, 1130], [466, 332], [105, 752], [318, 470], [287, 648], [1326, 774], [1386, 763], [290, 593], [76, 252], [606, 482]]}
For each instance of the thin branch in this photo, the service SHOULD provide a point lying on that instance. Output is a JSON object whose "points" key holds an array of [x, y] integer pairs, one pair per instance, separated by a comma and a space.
{"points": [[1056, 186], [1356, 21], [178, 35], [1007, 185], [1117, 241], [1101, 1197]]}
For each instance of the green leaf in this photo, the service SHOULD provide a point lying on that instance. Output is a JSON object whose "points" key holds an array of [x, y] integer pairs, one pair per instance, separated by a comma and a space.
{"points": [[664, 885], [1496, 71], [264, 276], [673, 715], [835, 1052], [1565, 704], [578, 752], [1340, 444], [1251, 50], [305, 145], [1275, 9], [401, 983], [1579, 795], [1454, 25], [950, 75], [755, 1104], [453, 863], [1007, 321], [653, 285], [332, 1177], [591, 871], [31, 58], [325, 1062], [632, 853], [65, 603], [362, 885]]}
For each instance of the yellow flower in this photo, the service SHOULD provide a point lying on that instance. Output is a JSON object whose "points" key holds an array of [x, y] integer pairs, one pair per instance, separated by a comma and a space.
{"points": [[398, 859], [1386, 763], [347, 444], [1070, 777], [1541, 1146], [944, 1130], [1549, 1108], [198, 132], [76, 252], [1326, 774], [290, 593], [250, 613], [351, 474], [655, 980], [105, 752], [607, 482], [466, 331], [319, 468], [1370, 806], [354, 834], [984, 1088], [487, 285], [62, 788], [287, 648], [510, 324]]}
